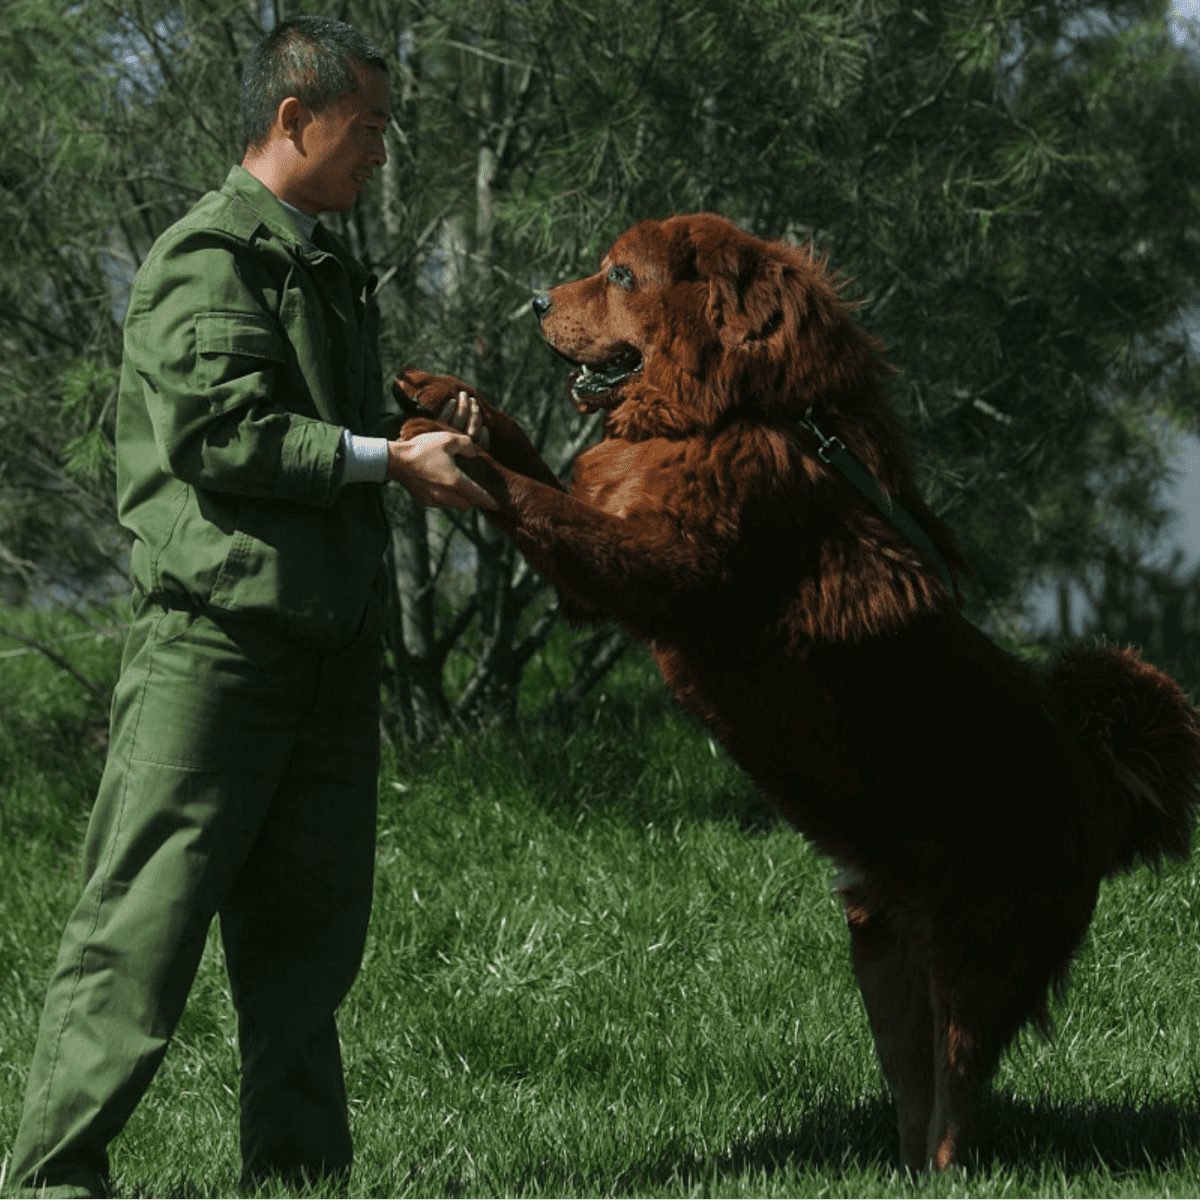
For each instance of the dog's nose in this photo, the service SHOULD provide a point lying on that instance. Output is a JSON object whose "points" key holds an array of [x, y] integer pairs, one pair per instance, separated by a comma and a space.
{"points": [[541, 305]]}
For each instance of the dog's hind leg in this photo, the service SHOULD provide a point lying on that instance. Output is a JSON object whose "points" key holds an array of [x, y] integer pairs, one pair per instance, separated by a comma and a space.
{"points": [[952, 1124], [891, 965], [991, 975], [974, 1019]]}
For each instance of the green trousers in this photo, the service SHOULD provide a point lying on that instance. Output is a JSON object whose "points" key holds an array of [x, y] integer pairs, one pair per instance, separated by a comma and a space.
{"points": [[241, 782]]}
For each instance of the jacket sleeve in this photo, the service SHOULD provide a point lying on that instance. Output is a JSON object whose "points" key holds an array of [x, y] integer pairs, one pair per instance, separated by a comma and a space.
{"points": [[215, 368]]}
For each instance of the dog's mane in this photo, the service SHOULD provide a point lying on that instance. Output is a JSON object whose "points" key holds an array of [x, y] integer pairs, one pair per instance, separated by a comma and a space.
{"points": [[758, 329], [755, 334]]}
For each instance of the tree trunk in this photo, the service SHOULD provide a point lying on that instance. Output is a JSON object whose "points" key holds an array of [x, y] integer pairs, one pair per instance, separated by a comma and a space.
{"points": [[419, 652]]}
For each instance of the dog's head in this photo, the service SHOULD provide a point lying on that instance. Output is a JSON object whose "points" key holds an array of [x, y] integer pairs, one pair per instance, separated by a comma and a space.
{"points": [[691, 321]]}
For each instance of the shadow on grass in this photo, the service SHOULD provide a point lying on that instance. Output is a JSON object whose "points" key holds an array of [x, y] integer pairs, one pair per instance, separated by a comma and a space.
{"points": [[1126, 1135], [859, 1136], [1016, 1136]]}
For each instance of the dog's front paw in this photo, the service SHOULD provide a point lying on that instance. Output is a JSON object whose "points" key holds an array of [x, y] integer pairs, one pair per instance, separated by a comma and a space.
{"points": [[411, 427], [418, 392]]}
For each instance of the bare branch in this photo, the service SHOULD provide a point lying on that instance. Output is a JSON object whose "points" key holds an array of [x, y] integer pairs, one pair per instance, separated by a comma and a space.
{"points": [[100, 694]]}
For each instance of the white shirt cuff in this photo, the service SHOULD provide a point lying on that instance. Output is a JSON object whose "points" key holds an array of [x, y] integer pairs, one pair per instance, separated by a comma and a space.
{"points": [[366, 458]]}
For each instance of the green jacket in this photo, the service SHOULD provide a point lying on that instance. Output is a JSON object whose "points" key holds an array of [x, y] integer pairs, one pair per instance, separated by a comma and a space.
{"points": [[247, 350]]}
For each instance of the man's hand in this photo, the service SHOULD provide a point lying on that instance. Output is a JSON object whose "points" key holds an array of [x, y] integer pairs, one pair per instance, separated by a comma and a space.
{"points": [[425, 465], [462, 411]]}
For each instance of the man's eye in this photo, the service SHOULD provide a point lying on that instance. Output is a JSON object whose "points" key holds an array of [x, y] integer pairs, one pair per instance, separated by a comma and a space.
{"points": [[622, 277]]}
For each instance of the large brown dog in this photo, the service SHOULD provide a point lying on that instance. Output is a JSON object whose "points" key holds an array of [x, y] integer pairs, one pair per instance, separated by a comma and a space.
{"points": [[974, 802]]}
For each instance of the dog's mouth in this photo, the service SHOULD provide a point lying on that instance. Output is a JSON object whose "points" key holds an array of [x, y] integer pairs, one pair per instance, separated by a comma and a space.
{"points": [[596, 387]]}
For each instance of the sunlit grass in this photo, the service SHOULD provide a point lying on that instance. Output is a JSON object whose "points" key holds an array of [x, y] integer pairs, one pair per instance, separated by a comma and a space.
{"points": [[598, 966]]}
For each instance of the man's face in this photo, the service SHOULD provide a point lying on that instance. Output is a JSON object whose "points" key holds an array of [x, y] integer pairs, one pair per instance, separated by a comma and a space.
{"points": [[341, 147]]}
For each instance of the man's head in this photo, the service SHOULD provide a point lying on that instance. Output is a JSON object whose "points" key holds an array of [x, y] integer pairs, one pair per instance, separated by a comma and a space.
{"points": [[314, 111]]}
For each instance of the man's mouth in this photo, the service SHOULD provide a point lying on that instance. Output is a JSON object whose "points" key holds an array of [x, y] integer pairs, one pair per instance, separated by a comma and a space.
{"points": [[595, 387]]}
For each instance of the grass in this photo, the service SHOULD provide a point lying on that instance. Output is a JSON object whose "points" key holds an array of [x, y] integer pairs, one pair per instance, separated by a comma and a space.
{"points": [[598, 966]]}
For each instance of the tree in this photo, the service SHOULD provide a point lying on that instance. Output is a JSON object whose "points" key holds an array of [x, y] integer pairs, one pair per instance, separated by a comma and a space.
{"points": [[1010, 186]]}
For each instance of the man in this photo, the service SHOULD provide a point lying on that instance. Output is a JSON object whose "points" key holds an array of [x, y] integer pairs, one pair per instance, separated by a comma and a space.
{"points": [[241, 777]]}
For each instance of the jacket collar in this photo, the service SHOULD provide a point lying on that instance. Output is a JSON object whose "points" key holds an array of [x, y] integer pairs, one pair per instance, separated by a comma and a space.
{"points": [[271, 215], [263, 204]]}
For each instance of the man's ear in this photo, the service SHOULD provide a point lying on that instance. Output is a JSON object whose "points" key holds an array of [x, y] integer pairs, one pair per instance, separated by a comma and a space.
{"points": [[292, 116]]}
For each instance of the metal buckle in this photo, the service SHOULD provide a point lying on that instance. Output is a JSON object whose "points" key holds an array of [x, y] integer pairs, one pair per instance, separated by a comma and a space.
{"points": [[828, 444]]}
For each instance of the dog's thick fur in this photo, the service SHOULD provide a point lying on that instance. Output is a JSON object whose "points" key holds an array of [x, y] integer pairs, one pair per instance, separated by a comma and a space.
{"points": [[974, 802]]}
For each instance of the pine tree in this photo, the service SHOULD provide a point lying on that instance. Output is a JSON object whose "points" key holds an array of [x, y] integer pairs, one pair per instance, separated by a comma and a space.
{"points": [[1010, 189]]}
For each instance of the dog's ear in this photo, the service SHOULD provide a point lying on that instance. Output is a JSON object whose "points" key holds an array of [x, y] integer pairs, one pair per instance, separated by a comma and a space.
{"points": [[745, 295]]}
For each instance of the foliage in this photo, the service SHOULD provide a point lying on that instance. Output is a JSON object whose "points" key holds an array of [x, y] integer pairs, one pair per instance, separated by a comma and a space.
{"points": [[1012, 187]]}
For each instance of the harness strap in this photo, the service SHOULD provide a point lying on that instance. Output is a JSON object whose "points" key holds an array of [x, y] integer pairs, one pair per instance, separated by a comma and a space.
{"points": [[833, 451]]}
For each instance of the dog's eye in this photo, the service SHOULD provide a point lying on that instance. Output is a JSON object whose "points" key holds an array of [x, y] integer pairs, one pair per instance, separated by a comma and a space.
{"points": [[622, 277]]}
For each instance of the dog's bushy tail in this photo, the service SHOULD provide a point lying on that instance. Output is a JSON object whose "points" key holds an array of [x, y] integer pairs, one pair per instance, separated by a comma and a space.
{"points": [[1145, 736]]}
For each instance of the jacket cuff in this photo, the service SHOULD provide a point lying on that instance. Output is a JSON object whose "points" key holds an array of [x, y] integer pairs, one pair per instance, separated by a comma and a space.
{"points": [[308, 463]]}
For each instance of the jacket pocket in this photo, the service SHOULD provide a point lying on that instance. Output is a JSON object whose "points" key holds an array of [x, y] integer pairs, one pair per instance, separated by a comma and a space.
{"points": [[248, 335], [231, 346]]}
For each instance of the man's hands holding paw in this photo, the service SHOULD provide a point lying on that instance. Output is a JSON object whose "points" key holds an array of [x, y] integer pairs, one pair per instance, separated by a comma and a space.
{"points": [[423, 458]]}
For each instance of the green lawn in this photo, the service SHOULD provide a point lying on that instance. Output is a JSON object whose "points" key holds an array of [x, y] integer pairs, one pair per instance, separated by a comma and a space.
{"points": [[598, 966]]}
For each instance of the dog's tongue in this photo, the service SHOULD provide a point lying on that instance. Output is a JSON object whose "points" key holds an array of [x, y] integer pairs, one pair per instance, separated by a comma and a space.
{"points": [[585, 406]]}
